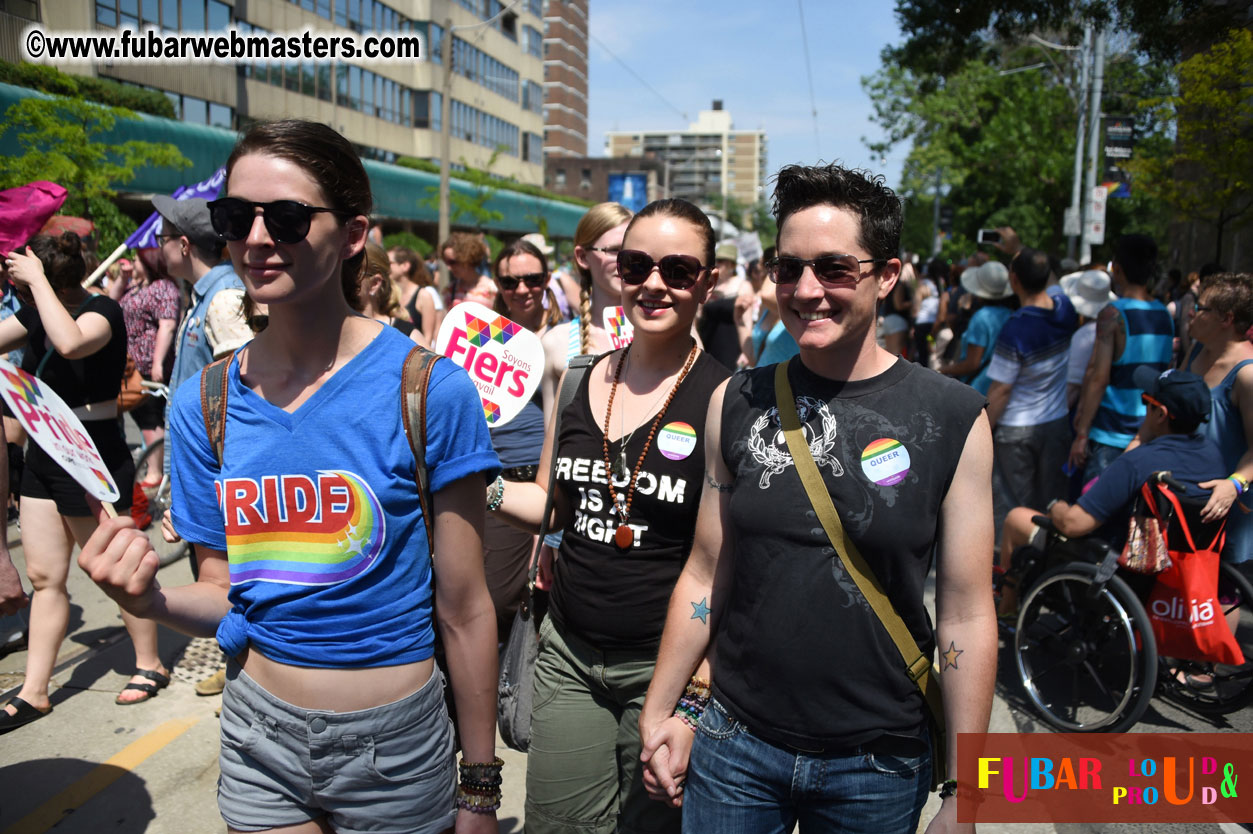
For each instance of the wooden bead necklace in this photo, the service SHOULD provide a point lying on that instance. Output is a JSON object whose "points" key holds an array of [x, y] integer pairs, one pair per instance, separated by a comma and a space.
{"points": [[623, 537]]}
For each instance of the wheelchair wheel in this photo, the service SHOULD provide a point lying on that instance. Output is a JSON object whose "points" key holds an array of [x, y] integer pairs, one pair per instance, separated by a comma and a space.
{"points": [[1086, 660], [1216, 688], [158, 498]]}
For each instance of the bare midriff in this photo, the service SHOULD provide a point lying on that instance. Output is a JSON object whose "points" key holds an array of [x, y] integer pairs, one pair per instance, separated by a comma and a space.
{"points": [[335, 690]]}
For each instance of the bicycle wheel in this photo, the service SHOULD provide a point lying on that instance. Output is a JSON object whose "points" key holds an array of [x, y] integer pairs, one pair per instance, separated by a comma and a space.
{"points": [[1216, 688], [158, 501], [1086, 660]]}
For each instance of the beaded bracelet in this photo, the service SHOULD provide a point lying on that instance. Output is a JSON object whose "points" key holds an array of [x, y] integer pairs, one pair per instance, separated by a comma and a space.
{"points": [[496, 494], [1239, 486], [692, 705], [479, 787]]}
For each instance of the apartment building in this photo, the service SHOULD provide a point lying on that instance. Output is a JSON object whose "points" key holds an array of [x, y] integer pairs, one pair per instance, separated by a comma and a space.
{"points": [[711, 158], [388, 109], [565, 78]]}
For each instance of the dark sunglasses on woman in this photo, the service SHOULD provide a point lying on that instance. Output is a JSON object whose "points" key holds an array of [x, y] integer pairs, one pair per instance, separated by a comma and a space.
{"points": [[534, 281], [678, 271], [287, 221], [833, 270]]}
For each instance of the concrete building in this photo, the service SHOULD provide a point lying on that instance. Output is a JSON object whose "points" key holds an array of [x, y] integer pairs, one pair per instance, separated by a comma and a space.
{"points": [[388, 109], [565, 78], [710, 158], [588, 178]]}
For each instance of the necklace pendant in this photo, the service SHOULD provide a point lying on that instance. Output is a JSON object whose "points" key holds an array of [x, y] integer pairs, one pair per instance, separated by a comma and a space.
{"points": [[620, 467], [624, 537]]}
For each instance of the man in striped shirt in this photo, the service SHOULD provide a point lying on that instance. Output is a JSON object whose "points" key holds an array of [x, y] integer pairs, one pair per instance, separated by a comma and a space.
{"points": [[1027, 395], [1132, 331]]}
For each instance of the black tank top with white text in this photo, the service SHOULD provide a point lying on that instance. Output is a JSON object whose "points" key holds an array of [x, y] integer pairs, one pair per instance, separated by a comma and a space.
{"points": [[613, 598]]}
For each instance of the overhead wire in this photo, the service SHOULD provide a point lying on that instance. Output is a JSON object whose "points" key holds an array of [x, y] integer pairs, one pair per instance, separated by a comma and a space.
{"points": [[636, 75], [809, 74]]}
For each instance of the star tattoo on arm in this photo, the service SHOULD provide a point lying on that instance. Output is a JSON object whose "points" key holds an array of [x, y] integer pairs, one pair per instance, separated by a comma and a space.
{"points": [[949, 658], [700, 611]]}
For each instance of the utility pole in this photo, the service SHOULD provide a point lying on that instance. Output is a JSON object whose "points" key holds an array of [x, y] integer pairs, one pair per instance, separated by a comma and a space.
{"points": [[1081, 100], [935, 216], [445, 152], [1094, 143]]}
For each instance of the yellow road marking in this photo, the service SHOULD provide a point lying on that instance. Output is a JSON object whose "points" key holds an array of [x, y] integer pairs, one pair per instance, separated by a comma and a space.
{"points": [[100, 777]]}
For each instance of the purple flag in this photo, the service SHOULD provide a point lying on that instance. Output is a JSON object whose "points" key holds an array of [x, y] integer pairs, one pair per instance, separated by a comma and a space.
{"points": [[146, 235]]}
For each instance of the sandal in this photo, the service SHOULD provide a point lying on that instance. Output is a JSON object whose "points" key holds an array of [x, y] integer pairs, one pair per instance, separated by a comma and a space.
{"points": [[150, 690], [25, 714]]}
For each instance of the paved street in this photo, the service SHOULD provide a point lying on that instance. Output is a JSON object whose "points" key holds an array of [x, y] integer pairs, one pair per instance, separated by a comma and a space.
{"points": [[92, 766]]}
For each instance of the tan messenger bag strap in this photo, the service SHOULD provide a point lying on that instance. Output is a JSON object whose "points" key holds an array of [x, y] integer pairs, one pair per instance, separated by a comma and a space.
{"points": [[917, 665]]}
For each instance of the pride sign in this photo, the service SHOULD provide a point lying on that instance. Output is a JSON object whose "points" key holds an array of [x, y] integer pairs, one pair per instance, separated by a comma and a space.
{"points": [[51, 424], [504, 359]]}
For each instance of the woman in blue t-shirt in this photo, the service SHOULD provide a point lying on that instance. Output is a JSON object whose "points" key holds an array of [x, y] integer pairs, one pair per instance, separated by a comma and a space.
{"points": [[988, 284], [314, 566]]}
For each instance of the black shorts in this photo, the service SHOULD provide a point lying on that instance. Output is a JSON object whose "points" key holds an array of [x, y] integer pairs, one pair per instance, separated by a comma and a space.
{"points": [[150, 414], [42, 477]]}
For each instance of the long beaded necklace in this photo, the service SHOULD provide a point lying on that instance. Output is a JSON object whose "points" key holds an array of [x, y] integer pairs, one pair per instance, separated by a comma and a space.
{"points": [[623, 537]]}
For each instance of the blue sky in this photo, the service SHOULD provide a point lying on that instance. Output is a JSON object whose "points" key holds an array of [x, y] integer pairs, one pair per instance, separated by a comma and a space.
{"points": [[749, 53]]}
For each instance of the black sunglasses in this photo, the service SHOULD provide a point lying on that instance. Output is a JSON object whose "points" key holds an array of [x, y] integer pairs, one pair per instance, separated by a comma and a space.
{"points": [[678, 271], [287, 221], [534, 281], [833, 270]]}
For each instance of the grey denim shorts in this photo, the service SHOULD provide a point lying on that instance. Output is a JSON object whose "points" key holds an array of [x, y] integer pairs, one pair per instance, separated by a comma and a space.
{"points": [[388, 769]]}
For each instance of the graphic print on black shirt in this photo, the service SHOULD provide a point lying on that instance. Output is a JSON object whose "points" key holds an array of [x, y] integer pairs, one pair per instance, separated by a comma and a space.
{"points": [[801, 657], [615, 598]]}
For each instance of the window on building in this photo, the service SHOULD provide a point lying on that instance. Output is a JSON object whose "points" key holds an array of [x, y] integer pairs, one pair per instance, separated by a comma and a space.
{"points": [[219, 16], [106, 12], [219, 115], [535, 7], [509, 26], [193, 15], [559, 177], [533, 42]]}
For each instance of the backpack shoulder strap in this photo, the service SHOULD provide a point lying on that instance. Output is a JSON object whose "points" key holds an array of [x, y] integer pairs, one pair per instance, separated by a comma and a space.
{"points": [[213, 383], [415, 379]]}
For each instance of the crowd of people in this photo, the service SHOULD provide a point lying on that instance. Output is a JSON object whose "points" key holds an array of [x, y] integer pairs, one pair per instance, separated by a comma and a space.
{"points": [[710, 657]]}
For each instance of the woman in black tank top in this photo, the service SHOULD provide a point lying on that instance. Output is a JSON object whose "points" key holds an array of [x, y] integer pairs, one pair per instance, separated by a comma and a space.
{"points": [[630, 463]]}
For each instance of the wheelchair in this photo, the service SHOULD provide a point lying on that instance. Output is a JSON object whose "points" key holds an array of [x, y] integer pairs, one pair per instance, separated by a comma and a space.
{"points": [[1083, 643]]}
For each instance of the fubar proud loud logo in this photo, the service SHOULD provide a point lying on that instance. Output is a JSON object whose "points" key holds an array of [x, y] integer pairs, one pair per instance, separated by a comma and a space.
{"points": [[296, 530]]}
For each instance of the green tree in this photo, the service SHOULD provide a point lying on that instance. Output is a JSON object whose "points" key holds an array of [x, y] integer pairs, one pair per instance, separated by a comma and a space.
{"points": [[1207, 173], [1001, 144], [471, 206], [61, 141], [941, 35]]}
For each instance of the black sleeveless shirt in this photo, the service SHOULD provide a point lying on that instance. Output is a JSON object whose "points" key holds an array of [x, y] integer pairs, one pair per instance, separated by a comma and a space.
{"points": [[802, 659], [612, 598]]}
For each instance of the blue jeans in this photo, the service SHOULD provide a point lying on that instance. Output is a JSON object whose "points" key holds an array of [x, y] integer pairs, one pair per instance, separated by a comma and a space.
{"points": [[739, 784]]}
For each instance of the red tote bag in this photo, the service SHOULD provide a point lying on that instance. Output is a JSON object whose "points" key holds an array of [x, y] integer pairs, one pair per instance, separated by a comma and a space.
{"points": [[1187, 617]]}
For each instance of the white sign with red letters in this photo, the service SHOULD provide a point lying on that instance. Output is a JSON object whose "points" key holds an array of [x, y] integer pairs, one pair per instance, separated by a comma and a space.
{"points": [[52, 424], [504, 359]]}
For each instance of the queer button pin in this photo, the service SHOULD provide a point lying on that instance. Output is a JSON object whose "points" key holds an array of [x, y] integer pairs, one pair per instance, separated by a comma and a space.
{"points": [[885, 461]]}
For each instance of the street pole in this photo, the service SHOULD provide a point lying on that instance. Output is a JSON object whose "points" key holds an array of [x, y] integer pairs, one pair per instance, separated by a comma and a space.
{"points": [[1072, 241], [445, 153], [1094, 142], [935, 216]]}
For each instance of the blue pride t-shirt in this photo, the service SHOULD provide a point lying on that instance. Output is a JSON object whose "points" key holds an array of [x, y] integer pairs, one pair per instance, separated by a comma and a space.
{"points": [[318, 510]]}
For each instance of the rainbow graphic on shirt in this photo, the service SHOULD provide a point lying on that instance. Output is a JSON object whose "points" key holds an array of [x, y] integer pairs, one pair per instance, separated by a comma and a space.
{"points": [[299, 530], [23, 385], [885, 461]]}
